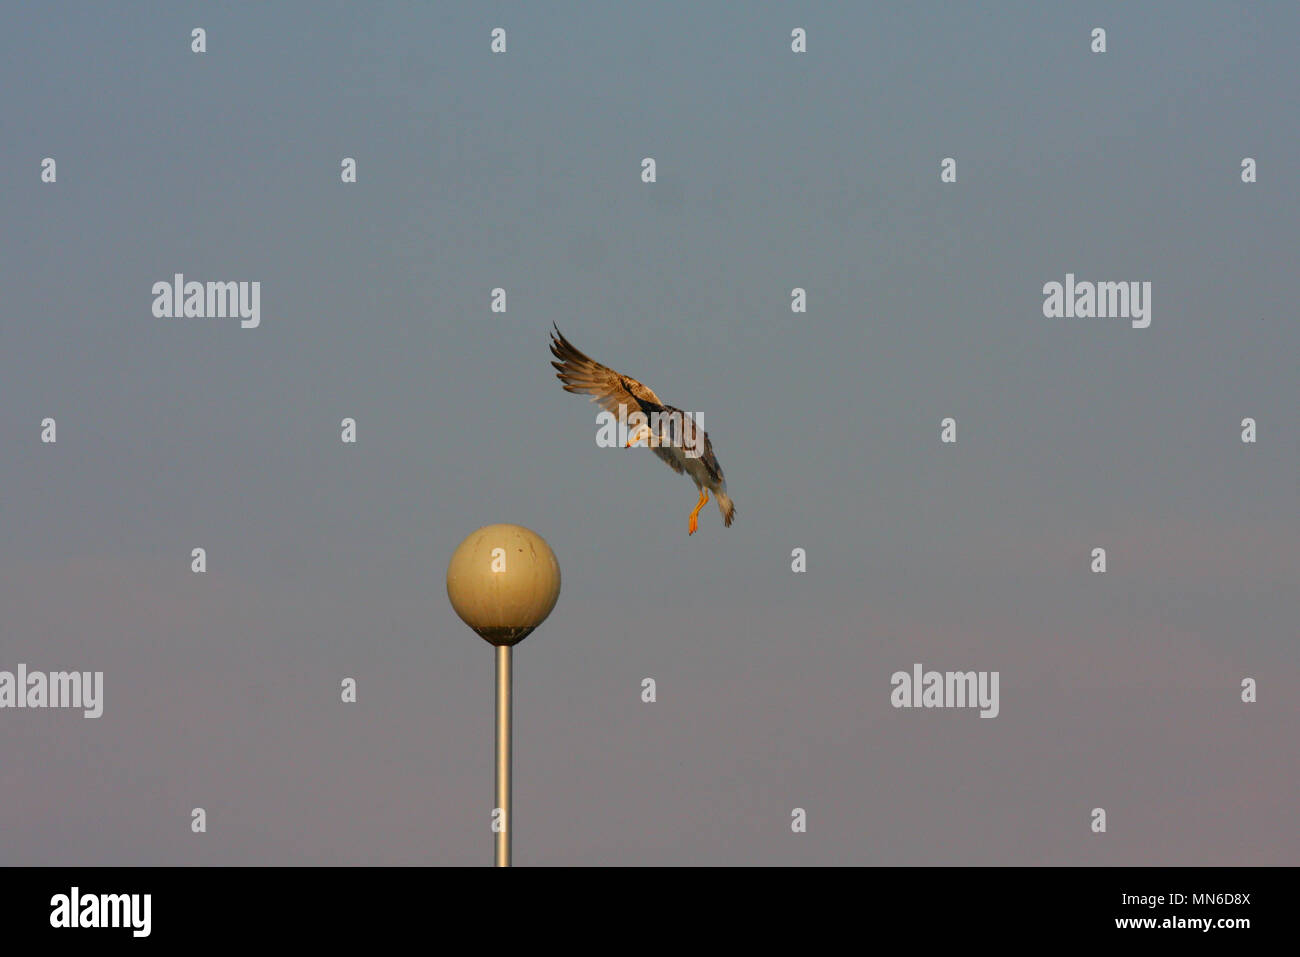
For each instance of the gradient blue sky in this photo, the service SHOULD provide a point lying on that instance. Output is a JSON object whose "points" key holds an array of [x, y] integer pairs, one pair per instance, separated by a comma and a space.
{"points": [[775, 171]]}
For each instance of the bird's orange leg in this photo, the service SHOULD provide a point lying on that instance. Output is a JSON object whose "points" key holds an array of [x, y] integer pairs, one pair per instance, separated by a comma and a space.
{"points": [[695, 515]]}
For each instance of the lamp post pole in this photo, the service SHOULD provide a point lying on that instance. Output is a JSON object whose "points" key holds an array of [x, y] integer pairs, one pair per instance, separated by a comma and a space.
{"points": [[503, 754]]}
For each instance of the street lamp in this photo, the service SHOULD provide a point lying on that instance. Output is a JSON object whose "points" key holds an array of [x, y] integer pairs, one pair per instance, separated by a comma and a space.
{"points": [[503, 580]]}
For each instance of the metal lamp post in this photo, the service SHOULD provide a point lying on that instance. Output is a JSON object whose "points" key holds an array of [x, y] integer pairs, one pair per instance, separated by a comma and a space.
{"points": [[503, 580]]}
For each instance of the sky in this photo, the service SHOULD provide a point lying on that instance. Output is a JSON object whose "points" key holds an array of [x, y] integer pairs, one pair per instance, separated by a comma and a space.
{"points": [[775, 170]]}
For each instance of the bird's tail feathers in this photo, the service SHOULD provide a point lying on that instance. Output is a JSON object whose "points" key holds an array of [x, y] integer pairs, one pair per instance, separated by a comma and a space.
{"points": [[726, 506]]}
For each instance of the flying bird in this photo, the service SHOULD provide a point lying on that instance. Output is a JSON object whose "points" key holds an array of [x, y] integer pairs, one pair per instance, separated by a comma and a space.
{"points": [[581, 374]]}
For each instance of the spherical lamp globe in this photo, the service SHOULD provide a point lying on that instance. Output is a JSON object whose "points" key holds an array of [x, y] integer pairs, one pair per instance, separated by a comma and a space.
{"points": [[503, 580]]}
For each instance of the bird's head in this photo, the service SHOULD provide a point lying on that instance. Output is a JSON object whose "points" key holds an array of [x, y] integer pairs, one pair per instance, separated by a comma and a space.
{"points": [[641, 433]]}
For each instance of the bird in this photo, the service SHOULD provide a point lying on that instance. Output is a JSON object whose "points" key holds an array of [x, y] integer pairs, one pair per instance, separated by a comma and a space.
{"points": [[583, 375]]}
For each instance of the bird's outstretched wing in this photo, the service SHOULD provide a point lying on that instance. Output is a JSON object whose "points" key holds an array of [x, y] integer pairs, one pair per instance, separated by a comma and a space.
{"points": [[582, 374]]}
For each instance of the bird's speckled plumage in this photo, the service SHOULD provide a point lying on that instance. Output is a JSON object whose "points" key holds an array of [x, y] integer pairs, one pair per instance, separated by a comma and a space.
{"points": [[581, 374]]}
